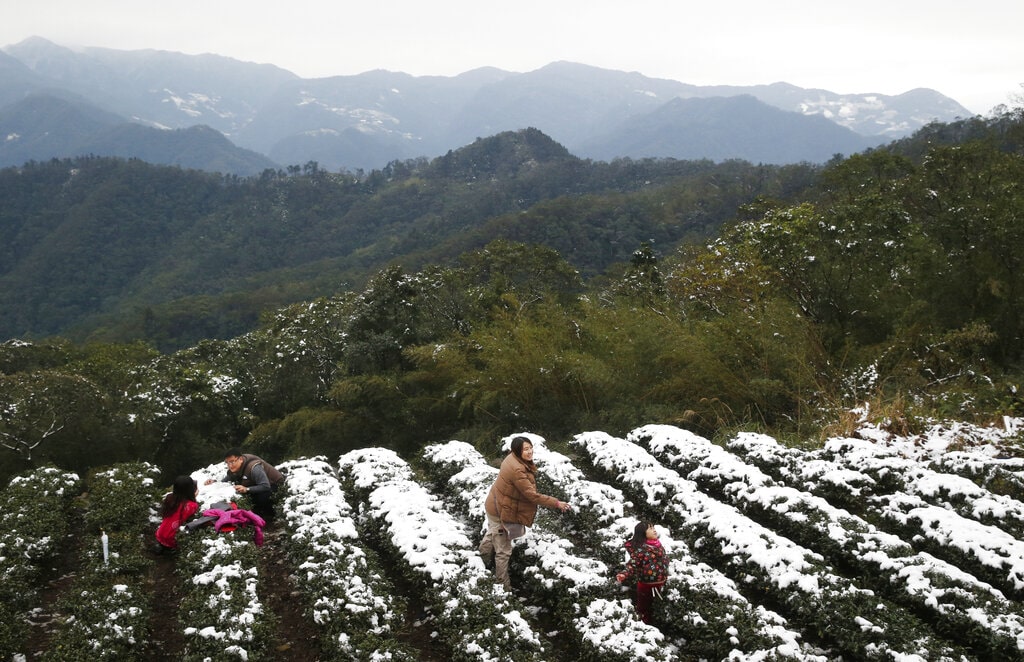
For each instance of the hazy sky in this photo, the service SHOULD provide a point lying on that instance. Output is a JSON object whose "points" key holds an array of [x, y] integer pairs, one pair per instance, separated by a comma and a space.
{"points": [[970, 51]]}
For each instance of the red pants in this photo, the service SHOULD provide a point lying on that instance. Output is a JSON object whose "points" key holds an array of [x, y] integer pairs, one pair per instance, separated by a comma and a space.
{"points": [[645, 599]]}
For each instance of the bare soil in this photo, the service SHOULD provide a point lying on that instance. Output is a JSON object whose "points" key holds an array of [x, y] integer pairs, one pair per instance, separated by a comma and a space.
{"points": [[45, 617], [295, 636], [167, 639]]}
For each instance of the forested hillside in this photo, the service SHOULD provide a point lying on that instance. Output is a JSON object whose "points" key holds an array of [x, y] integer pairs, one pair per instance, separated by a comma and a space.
{"points": [[894, 279], [121, 250]]}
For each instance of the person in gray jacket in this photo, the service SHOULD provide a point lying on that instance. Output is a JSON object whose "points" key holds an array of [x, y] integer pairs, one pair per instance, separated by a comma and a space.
{"points": [[255, 477]]}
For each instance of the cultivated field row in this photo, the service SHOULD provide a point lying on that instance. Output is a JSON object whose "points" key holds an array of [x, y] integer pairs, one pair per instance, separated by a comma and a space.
{"points": [[861, 550]]}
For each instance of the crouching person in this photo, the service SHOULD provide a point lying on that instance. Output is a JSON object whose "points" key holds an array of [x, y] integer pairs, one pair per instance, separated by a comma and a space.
{"points": [[177, 507], [255, 477]]}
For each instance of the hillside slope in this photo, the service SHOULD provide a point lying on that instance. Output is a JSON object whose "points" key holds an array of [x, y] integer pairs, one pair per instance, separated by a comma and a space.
{"points": [[116, 243]]}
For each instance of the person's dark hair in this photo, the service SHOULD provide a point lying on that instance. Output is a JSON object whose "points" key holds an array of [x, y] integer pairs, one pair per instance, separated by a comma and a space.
{"points": [[184, 490], [517, 445], [233, 452], [640, 534]]}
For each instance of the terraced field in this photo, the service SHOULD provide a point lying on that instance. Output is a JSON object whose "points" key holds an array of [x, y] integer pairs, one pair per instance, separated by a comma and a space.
{"points": [[872, 548]]}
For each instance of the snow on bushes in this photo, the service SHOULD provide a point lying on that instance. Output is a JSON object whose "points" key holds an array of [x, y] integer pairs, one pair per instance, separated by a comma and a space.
{"points": [[222, 610], [576, 589], [346, 592], [751, 533], [33, 525], [223, 614], [986, 551], [121, 497], [701, 605], [852, 620], [106, 611], [895, 472], [33, 516], [955, 600], [991, 456], [476, 619]]}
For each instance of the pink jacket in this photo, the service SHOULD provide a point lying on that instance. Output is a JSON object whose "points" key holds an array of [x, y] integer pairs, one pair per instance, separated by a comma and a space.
{"points": [[237, 518]]}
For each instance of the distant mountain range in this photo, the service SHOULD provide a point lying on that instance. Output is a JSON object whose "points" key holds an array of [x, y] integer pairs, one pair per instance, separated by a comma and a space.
{"points": [[215, 113]]}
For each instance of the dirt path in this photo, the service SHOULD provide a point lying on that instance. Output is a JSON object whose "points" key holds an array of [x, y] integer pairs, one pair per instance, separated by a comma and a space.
{"points": [[167, 639], [43, 618], [417, 632], [295, 636]]}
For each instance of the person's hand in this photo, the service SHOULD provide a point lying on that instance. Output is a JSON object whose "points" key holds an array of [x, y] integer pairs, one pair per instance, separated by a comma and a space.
{"points": [[621, 577], [241, 489], [209, 481], [563, 506]]}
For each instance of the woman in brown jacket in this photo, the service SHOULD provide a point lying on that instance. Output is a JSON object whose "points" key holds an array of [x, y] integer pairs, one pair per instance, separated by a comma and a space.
{"points": [[513, 499]]}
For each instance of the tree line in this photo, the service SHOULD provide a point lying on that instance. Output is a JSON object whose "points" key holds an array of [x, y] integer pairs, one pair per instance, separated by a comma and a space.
{"points": [[112, 250], [893, 280]]}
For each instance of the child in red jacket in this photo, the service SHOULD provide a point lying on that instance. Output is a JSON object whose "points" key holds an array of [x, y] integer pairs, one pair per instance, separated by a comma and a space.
{"points": [[647, 562], [177, 507]]}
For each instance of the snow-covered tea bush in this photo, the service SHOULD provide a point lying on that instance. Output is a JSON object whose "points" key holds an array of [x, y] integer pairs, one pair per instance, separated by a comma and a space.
{"points": [[222, 608], [872, 548], [33, 525], [986, 551], [105, 613], [551, 571], [956, 601], [33, 516], [894, 471], [120, 497], [853, 620], [476, 619], [346, 591], [701, 606]]}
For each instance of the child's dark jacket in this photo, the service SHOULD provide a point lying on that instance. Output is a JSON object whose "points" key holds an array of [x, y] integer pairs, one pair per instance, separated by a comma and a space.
{"points": [[648, 565]]}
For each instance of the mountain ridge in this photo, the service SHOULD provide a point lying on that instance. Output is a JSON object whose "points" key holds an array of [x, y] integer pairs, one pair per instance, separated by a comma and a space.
{"points": [[366, 120]]}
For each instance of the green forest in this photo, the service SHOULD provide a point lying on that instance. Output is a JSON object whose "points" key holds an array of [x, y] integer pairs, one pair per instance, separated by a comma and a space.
{"points": [[164, 315]]}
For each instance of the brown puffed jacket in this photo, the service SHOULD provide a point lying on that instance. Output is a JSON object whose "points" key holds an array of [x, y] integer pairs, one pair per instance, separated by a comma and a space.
{"points": [[515, 491]]}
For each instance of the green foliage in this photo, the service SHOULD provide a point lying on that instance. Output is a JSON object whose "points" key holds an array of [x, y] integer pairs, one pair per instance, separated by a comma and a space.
{"points": [[510, 276], [221, 603], [119, 251], [969, 204], [307, 432], [34, 513], [549, 297], [19, 356], [642, 280], [189, 407], [106, 611], [13, 629], [384, 319], [120, 497]]}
